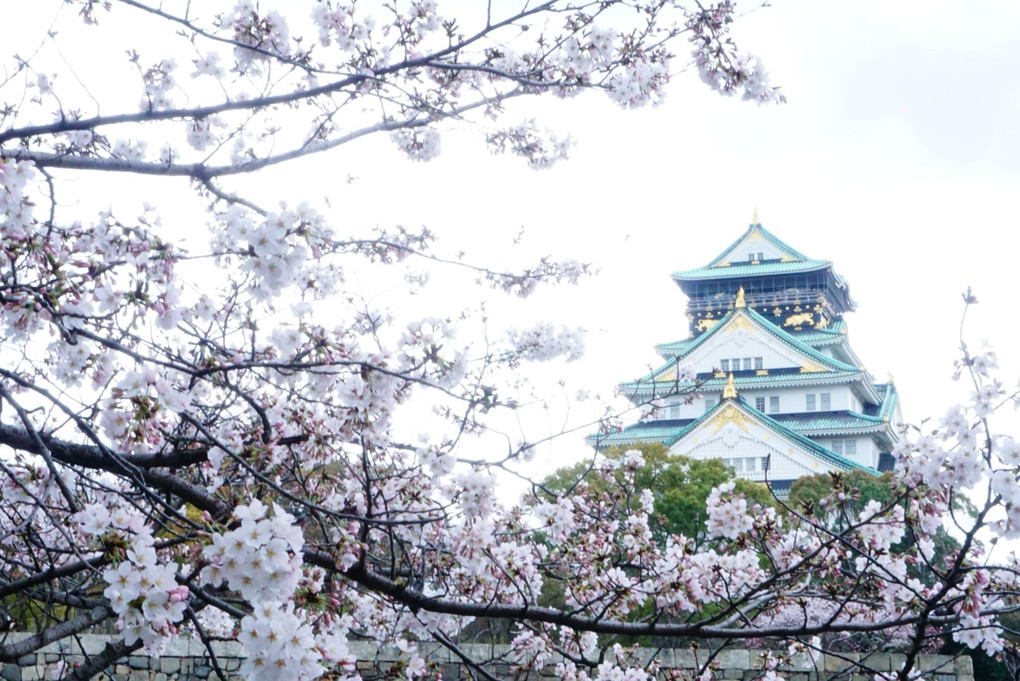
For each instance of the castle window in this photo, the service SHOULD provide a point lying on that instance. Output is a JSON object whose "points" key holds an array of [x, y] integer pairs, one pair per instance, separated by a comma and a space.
{"points": [[759, 363], [826, 401], [748, 364], [709, 403], [724, 364], [759, 403], [845, 447], [774, 404], [810, 405], [735, 363]]}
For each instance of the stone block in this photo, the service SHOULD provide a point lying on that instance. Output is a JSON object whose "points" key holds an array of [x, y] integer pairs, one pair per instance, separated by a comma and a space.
{"points": [[170, 665], [882, 662], [840, 663], [665, 658], [138, 662], [685, 658], [375, 663], [83, 644], [736, 659], [964, 666]]}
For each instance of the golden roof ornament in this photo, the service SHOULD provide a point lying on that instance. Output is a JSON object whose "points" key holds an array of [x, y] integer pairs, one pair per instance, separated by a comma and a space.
{"points": [[740, 298], [730, 391]]}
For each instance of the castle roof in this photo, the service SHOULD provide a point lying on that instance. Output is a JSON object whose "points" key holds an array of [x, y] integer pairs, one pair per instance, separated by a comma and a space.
{"points": [[757, 256], [722, 266], [816, 368], [670, 432], [834, 334]]}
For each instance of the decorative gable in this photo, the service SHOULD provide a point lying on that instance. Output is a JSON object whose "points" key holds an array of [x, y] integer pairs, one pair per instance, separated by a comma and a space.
{"points": [[756, 245], [744, 337], [749, 442]]}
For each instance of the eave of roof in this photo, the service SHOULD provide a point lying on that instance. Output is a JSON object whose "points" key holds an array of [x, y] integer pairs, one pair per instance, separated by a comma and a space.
{"points": [[673, 349], [671, 432], [647, 387], [756, 227], [666, 432], [890, 399], [802, 440], [831, 423], [746, 269], [767, 326], [834, 334]]}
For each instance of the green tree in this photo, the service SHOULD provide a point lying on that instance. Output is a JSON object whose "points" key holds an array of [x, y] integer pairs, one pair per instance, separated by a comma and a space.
{"points": [[679, 486], [811, 493], [838, 499]]}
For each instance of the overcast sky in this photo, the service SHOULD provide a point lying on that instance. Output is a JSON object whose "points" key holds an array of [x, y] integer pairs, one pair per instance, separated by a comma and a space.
{"points": [[897, 157]]}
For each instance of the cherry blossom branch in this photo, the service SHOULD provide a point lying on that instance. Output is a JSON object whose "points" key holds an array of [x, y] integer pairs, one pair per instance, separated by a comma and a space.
{"points": [[10, 652], [417, 600]]}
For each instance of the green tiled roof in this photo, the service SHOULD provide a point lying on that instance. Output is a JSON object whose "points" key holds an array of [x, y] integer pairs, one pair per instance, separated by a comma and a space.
{"points": [[830, 423], [890, 399], [793, 261], [810, 445], [746, 269], [812, 337], [768, 236], [765, 324], [831, 333], [666, 432], [673, 349], [669, 432], [643, 387]]}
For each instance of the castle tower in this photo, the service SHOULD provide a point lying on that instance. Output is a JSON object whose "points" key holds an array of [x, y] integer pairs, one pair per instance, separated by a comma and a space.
{"points": [[766, 379]]}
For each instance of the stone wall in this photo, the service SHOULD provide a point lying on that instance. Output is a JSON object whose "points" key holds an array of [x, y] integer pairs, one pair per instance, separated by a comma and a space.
{"points": [[186, 660]]}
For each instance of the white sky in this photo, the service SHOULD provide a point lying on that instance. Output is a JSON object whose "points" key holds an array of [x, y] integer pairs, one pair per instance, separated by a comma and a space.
{"points": [[897, 157]]}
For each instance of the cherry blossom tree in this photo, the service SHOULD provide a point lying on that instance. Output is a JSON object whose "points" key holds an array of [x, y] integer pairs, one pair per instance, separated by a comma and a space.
{"points": [[189, 447]]}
